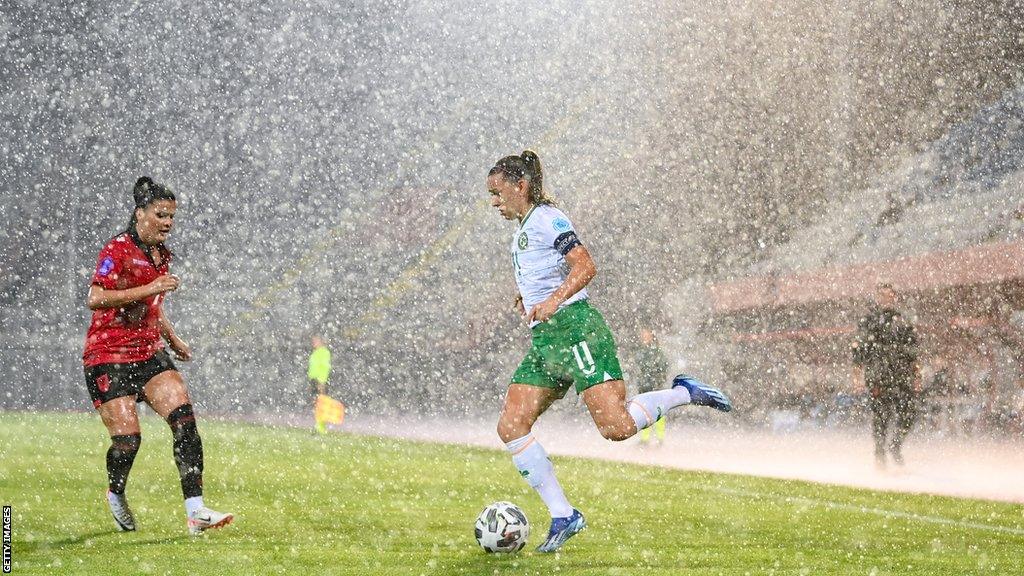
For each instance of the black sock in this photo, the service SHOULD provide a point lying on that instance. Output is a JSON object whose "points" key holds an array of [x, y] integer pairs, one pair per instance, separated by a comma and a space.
{"points": [[188, 450], [120, 457]]}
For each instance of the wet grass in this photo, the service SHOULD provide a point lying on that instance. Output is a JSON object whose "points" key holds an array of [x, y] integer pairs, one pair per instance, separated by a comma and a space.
{"points": [[345, 504]]}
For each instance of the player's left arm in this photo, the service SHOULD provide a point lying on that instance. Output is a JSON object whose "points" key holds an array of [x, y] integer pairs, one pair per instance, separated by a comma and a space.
{"points": [[581, 271], [182, 351]]}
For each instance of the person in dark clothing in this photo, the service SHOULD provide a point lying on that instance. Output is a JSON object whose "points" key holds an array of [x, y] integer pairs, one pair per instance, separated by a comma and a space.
{"points": [[885, 360], [938, 398]]}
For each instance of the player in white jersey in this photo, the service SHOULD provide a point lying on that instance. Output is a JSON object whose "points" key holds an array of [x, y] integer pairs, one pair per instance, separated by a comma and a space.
{"points": [[541, 268], [571, 343]]}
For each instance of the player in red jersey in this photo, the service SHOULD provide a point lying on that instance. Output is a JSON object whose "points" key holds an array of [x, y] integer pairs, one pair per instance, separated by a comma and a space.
{"points": [[125, 361]]}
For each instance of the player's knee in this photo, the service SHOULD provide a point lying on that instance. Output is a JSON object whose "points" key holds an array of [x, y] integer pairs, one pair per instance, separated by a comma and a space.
{"points": [[614, 426], [125, 445], [511, 430], [503, 433], [616, 429], [182, 421], [616, 433], [181, 415]]}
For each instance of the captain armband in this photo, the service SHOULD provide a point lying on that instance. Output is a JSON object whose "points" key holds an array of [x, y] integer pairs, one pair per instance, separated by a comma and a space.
{"points": [[566, 242]]}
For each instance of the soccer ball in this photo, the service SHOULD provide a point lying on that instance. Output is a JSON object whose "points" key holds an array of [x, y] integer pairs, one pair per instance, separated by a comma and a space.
{"points": [[502, 527]]}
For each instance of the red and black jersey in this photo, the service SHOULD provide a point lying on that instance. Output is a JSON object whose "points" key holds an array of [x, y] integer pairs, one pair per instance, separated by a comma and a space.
{"points": [[130, 333]]}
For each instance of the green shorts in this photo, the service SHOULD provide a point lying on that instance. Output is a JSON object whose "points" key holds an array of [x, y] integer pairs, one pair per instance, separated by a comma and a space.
{"points": [[574, 347]]}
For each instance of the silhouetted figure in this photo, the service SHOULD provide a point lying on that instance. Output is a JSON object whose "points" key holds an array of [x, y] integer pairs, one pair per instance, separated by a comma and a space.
{"points": [[885, 353], [318, 372]]}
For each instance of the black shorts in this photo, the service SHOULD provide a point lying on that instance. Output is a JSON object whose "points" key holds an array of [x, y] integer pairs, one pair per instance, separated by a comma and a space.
{"points": [[314, 389], [108, 381]]}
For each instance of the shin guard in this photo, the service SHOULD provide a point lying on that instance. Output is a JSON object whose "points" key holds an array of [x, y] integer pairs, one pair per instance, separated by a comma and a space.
{"points": [[120, 457], [188, 450]]}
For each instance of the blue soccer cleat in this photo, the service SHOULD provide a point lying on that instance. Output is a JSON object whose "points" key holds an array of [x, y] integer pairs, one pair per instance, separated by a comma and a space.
{"points": [[703, 395], [562, 529]]}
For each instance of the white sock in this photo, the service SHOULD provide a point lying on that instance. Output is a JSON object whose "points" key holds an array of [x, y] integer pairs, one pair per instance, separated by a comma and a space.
{"points": [[192, 504], [646, 408], [533, 464]]}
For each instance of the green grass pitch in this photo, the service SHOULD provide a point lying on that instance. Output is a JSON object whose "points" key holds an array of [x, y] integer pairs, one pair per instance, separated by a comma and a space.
{"points": [[348, 504]]}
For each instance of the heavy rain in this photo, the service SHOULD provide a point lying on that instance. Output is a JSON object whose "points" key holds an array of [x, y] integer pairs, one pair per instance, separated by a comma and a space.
{"points": [[747, 176]]}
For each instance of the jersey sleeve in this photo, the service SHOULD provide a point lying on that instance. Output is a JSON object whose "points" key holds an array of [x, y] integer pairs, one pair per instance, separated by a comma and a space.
{"points": [[109, 265], [559, 233]]}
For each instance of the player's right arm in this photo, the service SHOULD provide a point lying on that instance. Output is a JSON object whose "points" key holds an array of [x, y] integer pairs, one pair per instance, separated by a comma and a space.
{"points": [[517, 305], [104, 292], [581, 271], [100, 297]]}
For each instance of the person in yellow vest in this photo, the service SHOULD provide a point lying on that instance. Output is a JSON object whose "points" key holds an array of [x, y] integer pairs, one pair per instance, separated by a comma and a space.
{"points": [[319, 372]]}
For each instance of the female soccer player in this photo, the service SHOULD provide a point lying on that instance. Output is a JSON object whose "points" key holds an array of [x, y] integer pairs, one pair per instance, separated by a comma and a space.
{"points": [[572, 345], [125, 361]]}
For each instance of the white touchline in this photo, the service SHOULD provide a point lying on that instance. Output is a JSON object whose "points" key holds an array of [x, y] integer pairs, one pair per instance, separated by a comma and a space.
{"points": [[866, 510]]}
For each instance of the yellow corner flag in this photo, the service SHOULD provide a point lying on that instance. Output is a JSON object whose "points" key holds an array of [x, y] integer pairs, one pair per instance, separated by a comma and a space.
{"points": [[329, 410]]}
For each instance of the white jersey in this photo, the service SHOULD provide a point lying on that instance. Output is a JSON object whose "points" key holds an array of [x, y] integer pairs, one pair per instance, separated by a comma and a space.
{"points": [[539, 246]]}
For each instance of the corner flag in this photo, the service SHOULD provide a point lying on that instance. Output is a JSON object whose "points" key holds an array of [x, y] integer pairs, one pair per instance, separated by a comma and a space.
{"points": [[329, 410]]}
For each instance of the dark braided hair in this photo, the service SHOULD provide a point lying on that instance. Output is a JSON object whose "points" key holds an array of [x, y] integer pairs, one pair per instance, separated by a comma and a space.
{"points": [[145, 193]]}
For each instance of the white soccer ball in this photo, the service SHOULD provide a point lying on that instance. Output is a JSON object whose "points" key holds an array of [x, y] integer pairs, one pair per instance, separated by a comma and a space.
{"points": [[502, 527]]}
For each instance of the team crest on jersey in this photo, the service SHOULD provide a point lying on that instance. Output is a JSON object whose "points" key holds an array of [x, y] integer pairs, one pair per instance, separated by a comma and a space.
{"points": [[524, 241], [103, 382], [561, 225], [106, 266]]}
